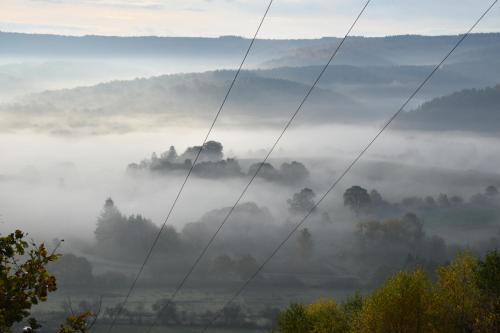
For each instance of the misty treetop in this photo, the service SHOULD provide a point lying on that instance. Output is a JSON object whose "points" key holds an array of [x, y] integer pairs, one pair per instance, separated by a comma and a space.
{"points": [[377, 231], [211, 164], [366, 204]]}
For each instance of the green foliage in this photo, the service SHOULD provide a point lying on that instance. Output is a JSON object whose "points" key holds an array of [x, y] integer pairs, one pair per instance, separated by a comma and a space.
{"points": [[488, 274], [488, 282], [294, 319], [465, 298], [400, 305], [77, 323], [326, 317], [323, 316], [352, 307], [456, 296], [24, 279]]}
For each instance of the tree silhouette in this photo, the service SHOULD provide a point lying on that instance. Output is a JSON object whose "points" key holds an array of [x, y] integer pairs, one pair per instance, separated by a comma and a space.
{"points": [[301, 202], [357, 198]]}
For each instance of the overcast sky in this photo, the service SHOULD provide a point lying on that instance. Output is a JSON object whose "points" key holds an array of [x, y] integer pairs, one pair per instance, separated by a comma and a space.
{"points": [[287, 18]]}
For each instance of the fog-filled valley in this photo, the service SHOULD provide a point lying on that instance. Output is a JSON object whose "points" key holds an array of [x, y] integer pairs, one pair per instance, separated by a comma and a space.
{"points": [[97, 135]]}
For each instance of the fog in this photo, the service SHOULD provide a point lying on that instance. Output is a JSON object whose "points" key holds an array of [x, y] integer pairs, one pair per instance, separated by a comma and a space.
{"points": [[95, 149], [65, 180]]}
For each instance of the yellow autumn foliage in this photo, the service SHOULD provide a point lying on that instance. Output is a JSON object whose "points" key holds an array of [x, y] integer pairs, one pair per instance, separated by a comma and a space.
{"points": [[400, 305]]}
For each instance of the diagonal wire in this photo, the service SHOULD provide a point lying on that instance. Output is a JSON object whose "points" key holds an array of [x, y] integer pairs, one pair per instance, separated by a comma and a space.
{"points": [[261, 164], [157, 237], [350, 166]]}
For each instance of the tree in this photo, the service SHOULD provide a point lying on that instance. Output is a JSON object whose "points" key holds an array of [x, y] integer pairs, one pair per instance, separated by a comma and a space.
{"points": [[79, 323], [352, 307], [400, 305], [322, 316], [293, 172], [166, 311], [376, 198], [107, 223], [212, 151], [465, 299], [326, 317], [457, 296], [232, 315], [24, 279], [357, 198], [488, 281], [114, 229], [430, 202], [491, 191], [443, 200], [301, 202], [488, 274], [304, 243], [294, 319], [267, 171], [170, 155]]}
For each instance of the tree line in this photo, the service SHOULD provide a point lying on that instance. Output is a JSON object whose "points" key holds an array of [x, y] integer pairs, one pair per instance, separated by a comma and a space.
{"points": [[464, 298], [212, 165]]}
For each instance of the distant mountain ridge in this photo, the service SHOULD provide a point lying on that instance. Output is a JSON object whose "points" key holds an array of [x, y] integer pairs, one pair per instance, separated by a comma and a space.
{"points": [[365, 83], [391, 50]]}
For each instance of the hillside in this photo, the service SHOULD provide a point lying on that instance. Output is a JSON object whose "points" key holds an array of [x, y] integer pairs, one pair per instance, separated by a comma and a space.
{"points": [[469, 110], [181, 97], [360, 51], [392, 50], [346, 94]]}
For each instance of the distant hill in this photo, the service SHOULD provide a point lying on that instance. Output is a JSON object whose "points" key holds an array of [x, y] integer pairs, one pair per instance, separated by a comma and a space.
{"points": [[366, 82], [263, 97], [468, 110], [359, 51], [367, 75], [180, 97], [21, 45], [392, 50]]}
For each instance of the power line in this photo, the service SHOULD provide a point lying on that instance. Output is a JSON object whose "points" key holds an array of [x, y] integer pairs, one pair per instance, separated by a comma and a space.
{"points": [[245, 189], [157, 237], [350, 166]]}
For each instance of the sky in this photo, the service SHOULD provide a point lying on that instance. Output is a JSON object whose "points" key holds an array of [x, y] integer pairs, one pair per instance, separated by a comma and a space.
{"points": [[212, 18]]}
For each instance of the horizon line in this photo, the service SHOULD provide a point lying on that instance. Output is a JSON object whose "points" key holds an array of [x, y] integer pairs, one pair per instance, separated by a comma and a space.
{"points": [[239, 36]]}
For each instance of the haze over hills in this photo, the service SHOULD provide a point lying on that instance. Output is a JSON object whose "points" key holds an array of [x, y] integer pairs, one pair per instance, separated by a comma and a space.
{"points": [[404, 49], [182, 97], [475, 110], [366, 82]]}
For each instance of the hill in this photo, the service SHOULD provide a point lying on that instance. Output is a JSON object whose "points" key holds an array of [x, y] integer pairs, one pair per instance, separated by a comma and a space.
{"points": [[468, 110], [391, 50], [180, 97]]}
